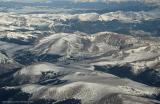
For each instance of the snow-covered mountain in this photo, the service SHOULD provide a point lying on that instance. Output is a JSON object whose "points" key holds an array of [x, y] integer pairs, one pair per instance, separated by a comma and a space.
{"points": [[7, 64], [80, 51], [80, 82], [23, 26], [89, 62]]}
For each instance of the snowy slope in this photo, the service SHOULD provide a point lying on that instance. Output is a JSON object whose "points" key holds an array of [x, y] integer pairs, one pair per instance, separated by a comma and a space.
{"points": [[81, 83], [87, 92], [7, 64]]}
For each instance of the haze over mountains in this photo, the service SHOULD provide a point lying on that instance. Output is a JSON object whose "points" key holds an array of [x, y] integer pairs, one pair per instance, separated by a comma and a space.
{"points": [[80, 51]]}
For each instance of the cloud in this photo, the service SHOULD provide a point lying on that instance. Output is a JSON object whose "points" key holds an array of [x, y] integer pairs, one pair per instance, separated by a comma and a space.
{"points": [[118, 1], [24, 1], [106, 1]]}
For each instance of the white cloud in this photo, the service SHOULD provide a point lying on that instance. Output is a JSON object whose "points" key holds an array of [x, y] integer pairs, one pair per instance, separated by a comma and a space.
{"points": [[25, 1], [145, 1], [157, 2]]}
